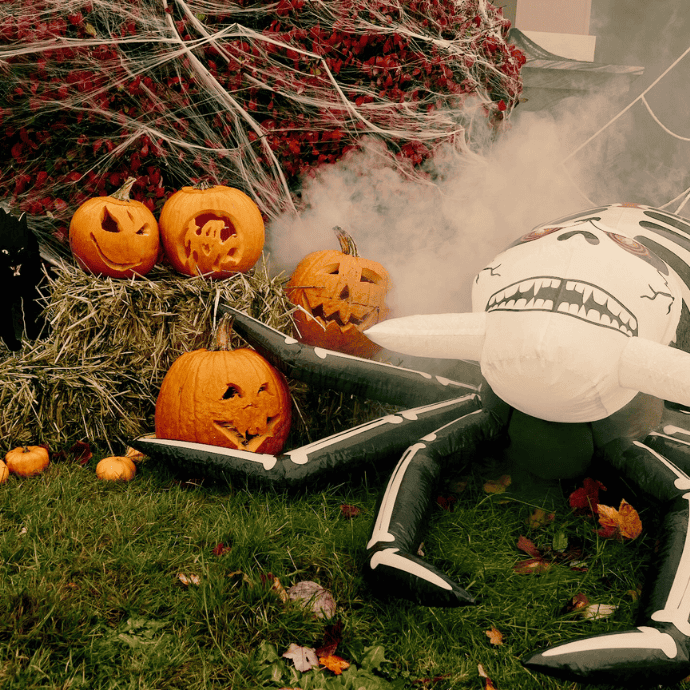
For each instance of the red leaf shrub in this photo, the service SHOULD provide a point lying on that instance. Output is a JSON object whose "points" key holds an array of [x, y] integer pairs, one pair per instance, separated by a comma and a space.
{"points": [[251, 94]]}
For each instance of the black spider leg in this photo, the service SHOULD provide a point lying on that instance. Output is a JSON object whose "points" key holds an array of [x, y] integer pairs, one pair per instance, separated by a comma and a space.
{"points": [[328, 369], [393, 566], [323, 460], [658, 650]]}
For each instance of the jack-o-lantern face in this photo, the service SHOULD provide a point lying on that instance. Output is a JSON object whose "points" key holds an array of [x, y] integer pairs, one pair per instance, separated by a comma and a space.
{"points": [[213, 231], [114, 235], [340, 295], [234, 399]]}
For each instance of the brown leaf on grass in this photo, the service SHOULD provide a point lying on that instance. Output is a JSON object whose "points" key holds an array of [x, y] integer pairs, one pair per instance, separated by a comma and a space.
{"points": [[447, 502], [334, 663], [221, 549], [623, 523], [187, 580], [579, 601], [304, 658], [349, 511], [540, 518], [497, 486], [527, 545], [79, 452], [495, 636], [532, 566], [280, 590], [488, 683], [314, 597], [332, 637]]}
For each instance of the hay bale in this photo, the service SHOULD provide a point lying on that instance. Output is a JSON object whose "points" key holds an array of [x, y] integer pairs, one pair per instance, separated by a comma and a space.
{"points": [[97, 375]]}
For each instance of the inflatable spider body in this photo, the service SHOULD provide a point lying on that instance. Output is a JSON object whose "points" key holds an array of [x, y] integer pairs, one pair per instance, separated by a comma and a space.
{"points": [[571, 327]]}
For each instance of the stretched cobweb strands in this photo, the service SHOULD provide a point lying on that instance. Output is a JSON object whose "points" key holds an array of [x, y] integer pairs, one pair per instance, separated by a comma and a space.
{"points": [[250, 94]]}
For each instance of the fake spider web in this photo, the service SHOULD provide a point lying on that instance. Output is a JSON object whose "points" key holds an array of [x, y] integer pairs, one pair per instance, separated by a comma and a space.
{"points": [[250, 94]]}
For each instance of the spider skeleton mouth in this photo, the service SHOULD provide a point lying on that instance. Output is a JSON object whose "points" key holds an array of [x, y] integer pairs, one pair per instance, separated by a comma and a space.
{"points": [[246, 440], [575, 298]]}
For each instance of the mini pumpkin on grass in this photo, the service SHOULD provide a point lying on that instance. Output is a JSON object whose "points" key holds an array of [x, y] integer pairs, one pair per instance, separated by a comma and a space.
{"points": [[211, 230], [339, 295], [114, 235], [222, 397], [116, 468], [26, 461]]}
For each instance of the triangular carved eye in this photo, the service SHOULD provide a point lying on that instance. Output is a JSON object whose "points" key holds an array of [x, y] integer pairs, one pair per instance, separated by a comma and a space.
{"points": [[232, 392], [369, 276], [332, 269], [109, 224], [263, 388]]}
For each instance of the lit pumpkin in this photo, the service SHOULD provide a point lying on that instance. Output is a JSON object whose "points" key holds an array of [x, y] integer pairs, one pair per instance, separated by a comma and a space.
{"points": [[114, 235], [339, 295], [116, 468], [234, 399], [26, 461], [211, 230]]}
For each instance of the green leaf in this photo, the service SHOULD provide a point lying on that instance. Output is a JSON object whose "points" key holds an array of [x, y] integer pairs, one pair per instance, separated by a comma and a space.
{"points": [[373, 658], [560, 541]]}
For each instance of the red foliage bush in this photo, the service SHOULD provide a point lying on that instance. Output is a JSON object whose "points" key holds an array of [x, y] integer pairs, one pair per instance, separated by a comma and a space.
{"points": [[245, 93]]}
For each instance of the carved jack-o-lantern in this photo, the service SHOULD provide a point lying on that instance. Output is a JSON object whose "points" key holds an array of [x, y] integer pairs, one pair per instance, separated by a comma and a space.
{"points": [[339, 295], [214, 231], [234, 399], [114, 235]]}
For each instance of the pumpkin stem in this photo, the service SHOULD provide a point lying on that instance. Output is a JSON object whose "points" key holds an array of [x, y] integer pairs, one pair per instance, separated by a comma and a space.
{"points": [[202, 185], [347, 244], [122, 194], [223, 334]]}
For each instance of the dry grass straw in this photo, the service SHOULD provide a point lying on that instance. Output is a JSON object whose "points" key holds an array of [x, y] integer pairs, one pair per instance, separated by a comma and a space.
{"points": [[96, 376]]}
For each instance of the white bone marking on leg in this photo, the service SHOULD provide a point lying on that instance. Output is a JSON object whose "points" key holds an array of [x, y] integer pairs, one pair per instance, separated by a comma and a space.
{"points": [[648, 638], [677, 607], [391, 558], [300, 456], [670, 430], [434, 434], [383, 519], [268, 461], [683, 481], [290, 341]]}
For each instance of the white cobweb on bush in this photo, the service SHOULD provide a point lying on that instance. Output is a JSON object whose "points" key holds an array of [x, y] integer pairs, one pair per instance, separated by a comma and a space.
{"points": [[251, 94]]}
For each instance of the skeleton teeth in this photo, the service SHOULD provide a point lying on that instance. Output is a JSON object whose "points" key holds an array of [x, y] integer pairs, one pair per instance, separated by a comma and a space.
{"points": [[530, 304], [563, 307], [510, 304], [548, 305], [605, 320], [599, 296], [526, 285], [538, 303], [570, 285], [633, 323], [521, 303], [573, 309], [614, 307], [587, 293]]}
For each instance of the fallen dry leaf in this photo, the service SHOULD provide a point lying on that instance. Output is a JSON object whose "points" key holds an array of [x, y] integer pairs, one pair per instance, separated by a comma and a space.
{"points": [[579, 601], [280, 590], [304, 658], [584, 501], [497, 486], [334, 663], [488, 683], [598, 611], [187, 580], [540, 518], [495, 636], [532, 566], [527, 545], [221, 549], [349, 511], [313, 596], [624, 523]]}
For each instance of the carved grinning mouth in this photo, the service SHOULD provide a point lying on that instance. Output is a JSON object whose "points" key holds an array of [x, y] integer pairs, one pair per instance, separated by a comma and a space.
{"points": [[575, 298], [107, 261], [246, 440]]}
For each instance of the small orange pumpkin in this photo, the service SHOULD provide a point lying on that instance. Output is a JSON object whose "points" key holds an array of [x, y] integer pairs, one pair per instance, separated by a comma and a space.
{"points": [[211, 230], [4, 472], [114, 235], [26, 461], [116, 468], [229, 398], [339, 295]]}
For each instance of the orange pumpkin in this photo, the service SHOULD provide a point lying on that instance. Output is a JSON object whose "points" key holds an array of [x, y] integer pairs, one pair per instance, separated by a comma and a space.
{"points": [[234, 399], [4, 472], [116, 468], [211, 230], [26, 461], [114, 235], [339, 295]]}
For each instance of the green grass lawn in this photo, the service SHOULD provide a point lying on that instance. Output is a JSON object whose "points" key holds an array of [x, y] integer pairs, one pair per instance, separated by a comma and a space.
{"points": [[90, 595]]}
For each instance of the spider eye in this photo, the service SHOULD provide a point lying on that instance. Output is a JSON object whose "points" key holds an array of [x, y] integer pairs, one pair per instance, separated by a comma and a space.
{"points": [[629, 244], [535, 235]]}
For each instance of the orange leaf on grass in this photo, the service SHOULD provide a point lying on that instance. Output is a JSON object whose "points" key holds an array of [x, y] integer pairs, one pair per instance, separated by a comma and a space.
{"points": [[624, 522], [334, 663], [495, 636], [540, 518], [498, 486]]}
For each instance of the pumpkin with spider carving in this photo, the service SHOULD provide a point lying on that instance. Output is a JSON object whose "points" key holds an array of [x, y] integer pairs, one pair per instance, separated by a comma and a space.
{"points": [[338, 294]]}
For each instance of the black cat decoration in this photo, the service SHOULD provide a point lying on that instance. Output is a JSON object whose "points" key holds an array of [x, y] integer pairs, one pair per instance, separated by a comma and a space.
{"points": [[20, 275]]}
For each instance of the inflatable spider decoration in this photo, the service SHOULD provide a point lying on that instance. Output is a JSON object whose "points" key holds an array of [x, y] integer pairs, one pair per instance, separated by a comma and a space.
{"points": [[572, 328]]}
